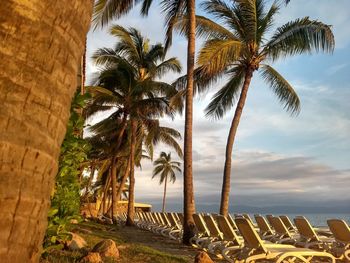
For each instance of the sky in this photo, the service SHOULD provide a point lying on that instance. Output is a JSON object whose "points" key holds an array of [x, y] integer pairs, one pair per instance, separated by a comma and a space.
{"points": [[301, 162]]}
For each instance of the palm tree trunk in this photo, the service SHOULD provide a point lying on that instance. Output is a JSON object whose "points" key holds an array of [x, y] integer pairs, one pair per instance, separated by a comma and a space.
{"points": [[41, 44], [225, 193], [189, 205], [114, 186], [90, 180], [124, 178], [166, 180], [131, 206], [105, 193], [83, 69]]}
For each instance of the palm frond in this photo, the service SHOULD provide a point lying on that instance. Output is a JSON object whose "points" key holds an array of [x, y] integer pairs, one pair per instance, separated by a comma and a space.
{"points": [[300, 36], [265, 23], [169, 65], [217, 54], [249, 10], [173, 10], [225, 98], [284, 91], [229, 15], [205, 28]]}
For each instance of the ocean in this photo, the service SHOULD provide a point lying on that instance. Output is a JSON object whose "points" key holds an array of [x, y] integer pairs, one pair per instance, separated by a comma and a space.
{"points": [[318, 220]]}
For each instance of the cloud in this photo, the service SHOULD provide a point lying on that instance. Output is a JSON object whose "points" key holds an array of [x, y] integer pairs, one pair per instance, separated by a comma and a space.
{"points": [[336, 68], [259, 179]]}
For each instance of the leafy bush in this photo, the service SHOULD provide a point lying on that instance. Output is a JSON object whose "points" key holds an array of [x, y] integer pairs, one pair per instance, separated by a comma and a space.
{"points": [[65, 201]]}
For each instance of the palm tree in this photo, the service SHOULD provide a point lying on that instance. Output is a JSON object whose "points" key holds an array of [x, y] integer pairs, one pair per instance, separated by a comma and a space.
{"points": [[127, 84], [37, 82], [240, 48], [165, 168], [104, 12]]}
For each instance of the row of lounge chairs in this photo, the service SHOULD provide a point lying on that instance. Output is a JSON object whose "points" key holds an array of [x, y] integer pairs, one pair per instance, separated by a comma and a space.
{"points": [[269, 238]]}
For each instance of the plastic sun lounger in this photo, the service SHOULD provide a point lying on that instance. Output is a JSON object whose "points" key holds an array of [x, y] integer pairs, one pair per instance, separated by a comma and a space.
{"points": [[237, 242], [286, 221], [233, 242], [217, 238], [203, 237], [341, 232], [282, 234], [255, 249], [266, 231], [247, 216], [309, 236], [269, 219], [231, 221]]}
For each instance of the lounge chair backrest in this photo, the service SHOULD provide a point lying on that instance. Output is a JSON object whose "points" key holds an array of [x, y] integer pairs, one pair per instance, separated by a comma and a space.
{"points": [[279, 227], [227, 230], [269, 219], [160, 219], [246, 216], [340, 230], [231, 221], [181, 217], [263, 225], [305, 229], [171, 219], [152, 218], [250, 236], [165, 219], [212, 226], [200, 224], [286, 221]]}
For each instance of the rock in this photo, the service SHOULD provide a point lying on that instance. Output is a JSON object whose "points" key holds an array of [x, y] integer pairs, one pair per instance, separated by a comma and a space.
{"points": [[74, 221], [107, 248], [92, 258], [202, 257], [77, 242]]}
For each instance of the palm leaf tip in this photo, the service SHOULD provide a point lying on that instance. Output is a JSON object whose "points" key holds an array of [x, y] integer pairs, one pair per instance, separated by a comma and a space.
{"points": [[281, 87], [300, 36]]}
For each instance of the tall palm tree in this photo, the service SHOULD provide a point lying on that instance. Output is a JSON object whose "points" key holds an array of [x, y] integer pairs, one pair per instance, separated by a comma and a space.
{"points": [[165, 168], [104, 12], [127, 84], [239, 48], [37, 82]]}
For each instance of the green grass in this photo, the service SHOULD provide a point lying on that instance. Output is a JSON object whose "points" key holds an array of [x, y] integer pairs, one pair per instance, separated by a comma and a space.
{"points": [[129, 252]]}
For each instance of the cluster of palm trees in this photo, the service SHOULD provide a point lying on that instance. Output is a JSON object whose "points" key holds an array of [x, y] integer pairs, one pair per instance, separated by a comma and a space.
{"points": [[238, 45], [127, 90]]}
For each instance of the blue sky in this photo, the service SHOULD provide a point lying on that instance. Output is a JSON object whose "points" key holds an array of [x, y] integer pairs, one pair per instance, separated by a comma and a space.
{"points": [[278, 159]]}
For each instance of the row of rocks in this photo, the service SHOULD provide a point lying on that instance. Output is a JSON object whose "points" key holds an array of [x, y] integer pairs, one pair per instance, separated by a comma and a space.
{"points": [[104, 249], [108, 249]]}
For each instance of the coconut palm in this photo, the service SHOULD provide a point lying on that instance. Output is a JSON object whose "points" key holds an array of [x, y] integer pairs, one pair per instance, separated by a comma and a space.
{"points": [[37, 82], [127, 85], [104, 12], [165, 168], [241, 46]]}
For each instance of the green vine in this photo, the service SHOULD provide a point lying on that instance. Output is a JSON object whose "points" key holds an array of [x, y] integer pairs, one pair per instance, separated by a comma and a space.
{"points": [[65, 201]]}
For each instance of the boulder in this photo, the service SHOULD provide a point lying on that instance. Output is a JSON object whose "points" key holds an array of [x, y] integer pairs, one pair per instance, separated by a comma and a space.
{"points": [[202, 257], [107, 248], [77, 242], [92, 258]]}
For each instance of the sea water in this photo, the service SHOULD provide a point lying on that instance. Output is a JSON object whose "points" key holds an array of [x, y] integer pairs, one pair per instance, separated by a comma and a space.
{"points": [[317, 219]]}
